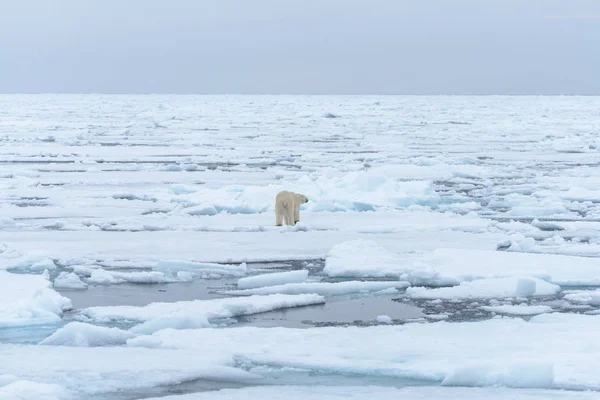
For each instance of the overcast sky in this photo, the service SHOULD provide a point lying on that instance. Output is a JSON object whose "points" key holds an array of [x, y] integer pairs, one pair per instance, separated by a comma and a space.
{"points": [[301, 46]]}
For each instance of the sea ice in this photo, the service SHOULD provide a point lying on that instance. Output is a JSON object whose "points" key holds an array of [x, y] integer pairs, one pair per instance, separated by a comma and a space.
{"points": [[518, 310], [283, 392], [384, 319], [69, 280], [29, 300], [432, 352], [158, 313], [276, 278], [486, 288], [322, 288], [79, 334]]}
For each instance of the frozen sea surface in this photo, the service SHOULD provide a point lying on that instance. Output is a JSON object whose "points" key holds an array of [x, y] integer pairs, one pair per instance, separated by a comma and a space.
{"points": [[449, 247]]}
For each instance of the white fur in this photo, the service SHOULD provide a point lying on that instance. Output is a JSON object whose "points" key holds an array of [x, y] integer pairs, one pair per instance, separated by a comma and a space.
{"points": [[287, 207]]}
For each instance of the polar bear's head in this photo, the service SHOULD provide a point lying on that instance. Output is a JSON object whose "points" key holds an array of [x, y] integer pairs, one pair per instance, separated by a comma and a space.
{"points": [[302, 198]]}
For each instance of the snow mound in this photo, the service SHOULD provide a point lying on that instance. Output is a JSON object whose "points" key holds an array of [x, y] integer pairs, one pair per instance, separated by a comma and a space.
{"points": [[518, 310], [79, 334], [69, 280], [516, 375], [29, 300], [487, 288], [322, 288], [277, 278], [156, 314]]}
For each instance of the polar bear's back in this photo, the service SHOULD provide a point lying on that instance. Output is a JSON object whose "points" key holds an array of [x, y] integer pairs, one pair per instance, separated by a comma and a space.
{"points": [[284, 199]]}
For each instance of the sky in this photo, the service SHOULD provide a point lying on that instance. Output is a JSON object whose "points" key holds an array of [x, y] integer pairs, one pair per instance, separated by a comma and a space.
{"points": [[300, 46]]}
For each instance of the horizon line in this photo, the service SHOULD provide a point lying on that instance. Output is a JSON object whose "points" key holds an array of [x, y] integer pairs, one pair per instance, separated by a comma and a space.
{"points": [[291, 94]]}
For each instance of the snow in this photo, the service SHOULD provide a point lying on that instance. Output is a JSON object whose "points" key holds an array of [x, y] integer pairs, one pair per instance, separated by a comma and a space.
{"points": [[322, 288], [154, 314], [295, 392], [207, 268], [29, 300], [488, 288], [69, 280], [591, 297], [513, 374], [384, 319], [80, 334], [143, 197], [26, 390], [104, 277], [277, 278], [519, 310], [361, 258], [522, 353], [444, 266]]}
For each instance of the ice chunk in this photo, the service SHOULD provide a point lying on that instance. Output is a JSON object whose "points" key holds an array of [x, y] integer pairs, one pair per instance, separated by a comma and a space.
{"points": [[516, 375], [201, 210], [590, 297], [29, 300], [272, 279], [384, 319], [102, 277], [322, 288], [185, 276], [209, 309], [79, 334], [486, 288], [525, 287], [518, 310], [175, 320], [210, 268], [69, 280]]}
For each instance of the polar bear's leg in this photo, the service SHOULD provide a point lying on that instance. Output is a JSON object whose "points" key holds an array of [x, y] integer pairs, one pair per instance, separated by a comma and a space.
{"points": [[280, 202], [296, 212], [290, 215], [278, 216]]}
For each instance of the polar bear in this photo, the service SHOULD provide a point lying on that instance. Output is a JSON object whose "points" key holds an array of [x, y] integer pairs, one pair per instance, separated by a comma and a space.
{"points": [[287, 207]]}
